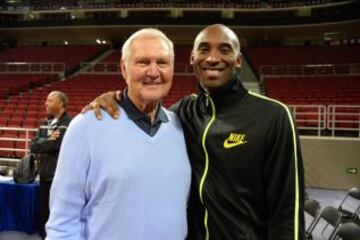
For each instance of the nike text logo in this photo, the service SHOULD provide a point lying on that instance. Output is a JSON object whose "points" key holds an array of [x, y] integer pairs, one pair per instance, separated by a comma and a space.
{"points": [[235, 139]]}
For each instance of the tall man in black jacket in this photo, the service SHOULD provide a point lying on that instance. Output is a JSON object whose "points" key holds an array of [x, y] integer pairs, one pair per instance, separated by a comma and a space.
{"points": [[243, 147], [46, 145]]}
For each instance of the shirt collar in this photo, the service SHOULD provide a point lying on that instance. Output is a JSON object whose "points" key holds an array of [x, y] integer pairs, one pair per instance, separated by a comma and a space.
{"points": [[134, 114]]}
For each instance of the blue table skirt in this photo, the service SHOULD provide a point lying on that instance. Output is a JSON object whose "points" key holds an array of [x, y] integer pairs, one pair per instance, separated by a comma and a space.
{"points": [[19, 207]]}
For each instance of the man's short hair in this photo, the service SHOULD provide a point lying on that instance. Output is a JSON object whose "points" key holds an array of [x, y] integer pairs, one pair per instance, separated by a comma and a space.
{"points": [[228, 31], [62, 97], [145, 32]]}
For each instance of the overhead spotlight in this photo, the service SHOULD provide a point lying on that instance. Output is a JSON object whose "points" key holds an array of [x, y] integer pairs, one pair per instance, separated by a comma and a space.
{"points": [[73, 16], [98, 41], [66, 42], [103, 42]]}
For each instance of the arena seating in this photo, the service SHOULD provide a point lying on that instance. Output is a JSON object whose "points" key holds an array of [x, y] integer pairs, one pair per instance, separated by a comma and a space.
{"points": [[312, 79], [71, 55], [80, 90], [55, 4], [83, 88], [343, 91], [318, 87], [18, 81], [323, 90], [303, 55], [27, 110], [182, 58], [11, 84], [114, 57], [182, 86]]}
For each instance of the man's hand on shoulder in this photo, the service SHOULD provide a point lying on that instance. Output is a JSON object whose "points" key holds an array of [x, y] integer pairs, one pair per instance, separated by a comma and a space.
{"points": [[106, 101]]}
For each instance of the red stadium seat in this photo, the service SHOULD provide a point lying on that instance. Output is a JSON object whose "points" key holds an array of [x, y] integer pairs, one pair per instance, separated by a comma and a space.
{"points": [[6, 144]]}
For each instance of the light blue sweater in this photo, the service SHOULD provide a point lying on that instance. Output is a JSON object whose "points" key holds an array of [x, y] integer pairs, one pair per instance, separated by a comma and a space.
{"points": [[114, 181]]}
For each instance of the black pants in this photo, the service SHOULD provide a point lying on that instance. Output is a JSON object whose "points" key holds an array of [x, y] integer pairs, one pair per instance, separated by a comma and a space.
{"points": [[44, 193]]}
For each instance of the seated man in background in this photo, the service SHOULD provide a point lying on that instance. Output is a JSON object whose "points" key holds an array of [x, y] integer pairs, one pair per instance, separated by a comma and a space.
{"points": [[46, 145], [127, 178]]}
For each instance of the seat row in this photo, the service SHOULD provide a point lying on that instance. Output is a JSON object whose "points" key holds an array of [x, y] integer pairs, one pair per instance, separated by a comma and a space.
{"points": [[343, 223], [314, 90], [299, 55]]}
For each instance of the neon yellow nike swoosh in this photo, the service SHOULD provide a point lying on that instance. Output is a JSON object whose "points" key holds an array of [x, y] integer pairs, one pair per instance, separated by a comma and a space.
{"points": [[233, 144]]}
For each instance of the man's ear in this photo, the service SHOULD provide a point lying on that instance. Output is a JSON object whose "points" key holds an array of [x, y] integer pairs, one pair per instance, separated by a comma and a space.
{"points": [[123, 68], [192, 58], [238, 60]]}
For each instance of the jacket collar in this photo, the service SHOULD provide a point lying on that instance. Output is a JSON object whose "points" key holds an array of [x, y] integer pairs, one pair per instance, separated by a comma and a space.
{"points": [[64, 117], [61, 119], [228, 94]]}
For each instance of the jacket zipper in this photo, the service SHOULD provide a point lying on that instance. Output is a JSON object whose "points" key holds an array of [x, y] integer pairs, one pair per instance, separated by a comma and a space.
{"points": [[203, 178]]}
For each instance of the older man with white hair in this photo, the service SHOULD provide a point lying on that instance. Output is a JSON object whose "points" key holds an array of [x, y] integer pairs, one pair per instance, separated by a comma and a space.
{"points": [[127, 178]]}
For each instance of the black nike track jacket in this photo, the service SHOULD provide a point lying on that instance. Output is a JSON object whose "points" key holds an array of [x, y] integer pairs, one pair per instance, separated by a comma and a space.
{"points": [[247, 167]]}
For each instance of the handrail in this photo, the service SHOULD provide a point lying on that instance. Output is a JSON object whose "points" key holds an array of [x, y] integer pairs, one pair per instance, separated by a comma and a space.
{"points": [[100, 68], [32, 67], [309, 70], [343, 117], [15, 138], [310, 117]]}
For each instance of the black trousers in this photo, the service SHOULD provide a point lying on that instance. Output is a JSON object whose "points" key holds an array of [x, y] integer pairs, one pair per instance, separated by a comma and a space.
{"points": [[44, 212]]}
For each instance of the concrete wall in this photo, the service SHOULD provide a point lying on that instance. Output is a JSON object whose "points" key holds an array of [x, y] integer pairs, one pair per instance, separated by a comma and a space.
{"points": [[327, 162]]}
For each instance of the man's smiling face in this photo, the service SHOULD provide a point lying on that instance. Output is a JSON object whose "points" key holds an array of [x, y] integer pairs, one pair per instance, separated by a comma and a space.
{"points": [[215, 56]]}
